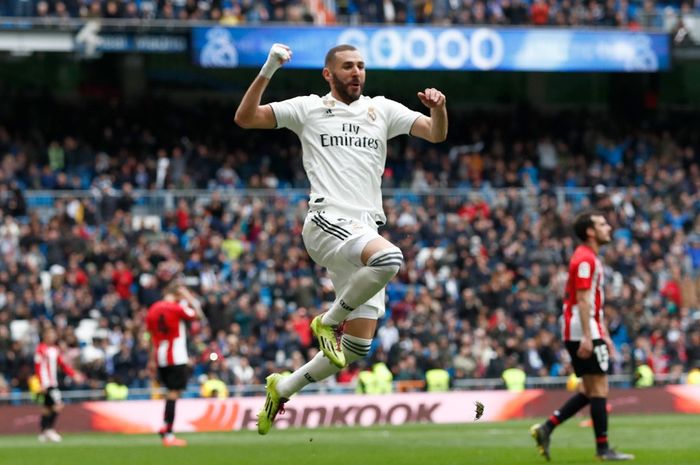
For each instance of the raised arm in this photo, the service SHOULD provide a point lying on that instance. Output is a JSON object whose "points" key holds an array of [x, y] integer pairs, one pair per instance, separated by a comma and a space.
{"points": [[250, 114], [434, 127], [193, 302]]}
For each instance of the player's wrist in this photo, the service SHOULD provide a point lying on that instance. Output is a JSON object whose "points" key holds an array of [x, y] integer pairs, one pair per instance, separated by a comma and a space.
{"points": [[279, 54], [269, 68]]}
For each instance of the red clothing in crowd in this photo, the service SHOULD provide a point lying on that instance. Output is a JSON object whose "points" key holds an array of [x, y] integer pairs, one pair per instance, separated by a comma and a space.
{"points": [[122, 280]]}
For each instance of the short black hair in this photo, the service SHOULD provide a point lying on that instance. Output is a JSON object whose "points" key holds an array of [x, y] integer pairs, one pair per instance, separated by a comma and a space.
{"points": [[582, 222], [330, 56]]}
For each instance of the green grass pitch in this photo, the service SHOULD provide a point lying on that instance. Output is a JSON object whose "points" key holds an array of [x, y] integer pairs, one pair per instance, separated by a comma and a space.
{"points": [[654, 439]]}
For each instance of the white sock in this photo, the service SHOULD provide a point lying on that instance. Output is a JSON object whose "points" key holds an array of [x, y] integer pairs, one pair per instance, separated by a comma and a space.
{"points": [[355, 347], [316, 369], [364, 284]]}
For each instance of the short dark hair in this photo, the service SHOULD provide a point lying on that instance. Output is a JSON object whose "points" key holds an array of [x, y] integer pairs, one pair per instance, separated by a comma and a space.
{"points": [[582, 222], [330, 56]]}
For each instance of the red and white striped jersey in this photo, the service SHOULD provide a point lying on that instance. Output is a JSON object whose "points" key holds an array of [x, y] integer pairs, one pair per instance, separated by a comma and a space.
{"points": [[47, 359], [166, 323], [585, 272]]}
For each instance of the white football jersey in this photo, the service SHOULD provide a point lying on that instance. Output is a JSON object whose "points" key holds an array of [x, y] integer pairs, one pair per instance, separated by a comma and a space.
{"points": [[344, 146]]}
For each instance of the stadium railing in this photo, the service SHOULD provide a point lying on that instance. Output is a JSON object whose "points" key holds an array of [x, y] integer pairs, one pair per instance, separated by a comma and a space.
{"points": [[156, 202], [553, 382]]}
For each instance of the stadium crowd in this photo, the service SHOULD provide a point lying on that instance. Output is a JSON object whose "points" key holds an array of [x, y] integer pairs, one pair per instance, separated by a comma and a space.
{"points": [[485, 263], [609, 13]]}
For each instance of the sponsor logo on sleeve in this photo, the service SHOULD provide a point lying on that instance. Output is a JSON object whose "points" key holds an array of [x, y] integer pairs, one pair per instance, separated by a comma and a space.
{"points": [[584, 270]]}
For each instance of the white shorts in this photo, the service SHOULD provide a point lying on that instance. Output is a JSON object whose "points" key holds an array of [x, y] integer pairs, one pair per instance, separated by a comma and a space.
{"points": [[335, 241]]}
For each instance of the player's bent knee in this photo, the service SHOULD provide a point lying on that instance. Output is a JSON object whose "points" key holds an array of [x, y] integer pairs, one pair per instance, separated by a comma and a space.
{"points": [[355, 347], [387, 261]]}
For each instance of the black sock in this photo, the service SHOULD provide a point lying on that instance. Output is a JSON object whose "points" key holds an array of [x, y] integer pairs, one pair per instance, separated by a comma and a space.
{"points": [[599, 415], [169, 417], [44, 423], [569, 409], [52, 419]]}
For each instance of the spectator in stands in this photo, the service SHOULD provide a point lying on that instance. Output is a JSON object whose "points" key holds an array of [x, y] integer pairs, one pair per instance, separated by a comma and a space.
{"points": [[115, 389], [514, 376], [437, 379], [213, 387], [515, 12]]}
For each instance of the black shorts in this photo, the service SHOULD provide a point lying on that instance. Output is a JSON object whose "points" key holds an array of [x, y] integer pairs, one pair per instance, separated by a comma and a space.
{"points": [[174, 377], [50, 397], [597, 364]]}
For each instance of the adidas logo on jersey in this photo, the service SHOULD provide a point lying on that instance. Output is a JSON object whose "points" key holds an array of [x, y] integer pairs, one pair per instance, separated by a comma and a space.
{"points": [[329, 113]]}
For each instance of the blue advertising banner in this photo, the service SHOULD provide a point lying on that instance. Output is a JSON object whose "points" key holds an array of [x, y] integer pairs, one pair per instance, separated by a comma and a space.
{"points": [[434, 48]]}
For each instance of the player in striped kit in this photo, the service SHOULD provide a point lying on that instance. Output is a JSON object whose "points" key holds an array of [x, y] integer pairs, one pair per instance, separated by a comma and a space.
{"points": [[586, 337], [165, 322], [47, 360], [344, 138]]}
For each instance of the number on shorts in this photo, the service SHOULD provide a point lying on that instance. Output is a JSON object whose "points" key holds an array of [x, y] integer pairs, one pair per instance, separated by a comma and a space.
{"points": [[601, 354]]}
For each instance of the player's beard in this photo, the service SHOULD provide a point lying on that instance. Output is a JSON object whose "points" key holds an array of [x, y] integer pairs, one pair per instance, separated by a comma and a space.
{"points": [[343, 89], [601, 240]]}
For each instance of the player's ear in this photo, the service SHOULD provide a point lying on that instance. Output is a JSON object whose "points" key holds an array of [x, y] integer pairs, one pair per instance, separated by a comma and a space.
{"points": [[327, 75]]}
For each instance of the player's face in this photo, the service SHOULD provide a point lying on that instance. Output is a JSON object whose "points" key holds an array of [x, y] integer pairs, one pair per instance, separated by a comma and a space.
{"points": [[603, 231], [50, 336], [346, 75]]}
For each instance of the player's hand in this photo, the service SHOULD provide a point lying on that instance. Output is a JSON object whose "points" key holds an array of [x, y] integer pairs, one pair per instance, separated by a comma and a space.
{"points": [[151, 369], [279, 55], [79, 378], [585, 349], [432, 98], [183, 292]]}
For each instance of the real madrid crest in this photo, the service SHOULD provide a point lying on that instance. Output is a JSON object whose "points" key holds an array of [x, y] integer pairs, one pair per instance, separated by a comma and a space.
{"points": [[371, 114], [329, 103]]}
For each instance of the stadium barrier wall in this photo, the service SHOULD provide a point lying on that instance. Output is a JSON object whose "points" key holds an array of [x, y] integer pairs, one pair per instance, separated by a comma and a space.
{"points": [[311, 411]]}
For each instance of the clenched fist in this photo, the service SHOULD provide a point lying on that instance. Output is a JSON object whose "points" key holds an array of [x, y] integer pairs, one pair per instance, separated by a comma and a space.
{"points": [[432, 98], [279, 55]]}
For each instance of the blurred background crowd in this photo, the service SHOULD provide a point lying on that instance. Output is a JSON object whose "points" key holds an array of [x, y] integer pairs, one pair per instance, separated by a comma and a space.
{"points": [[483, 222], [633, 14]]}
